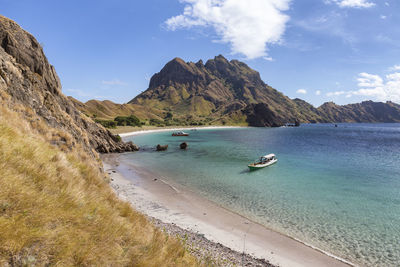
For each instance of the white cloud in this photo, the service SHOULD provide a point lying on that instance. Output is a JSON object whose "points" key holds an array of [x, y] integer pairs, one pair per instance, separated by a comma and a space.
{"points": [[383, 17], [337, 93], [302, 91], [114, 82], [352, 3], [395, 68], [318, 92], [248, 26], [375, 87]]}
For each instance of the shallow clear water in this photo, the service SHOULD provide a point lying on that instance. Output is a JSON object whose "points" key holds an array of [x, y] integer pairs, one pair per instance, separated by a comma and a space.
{"points": [[335, 188]]}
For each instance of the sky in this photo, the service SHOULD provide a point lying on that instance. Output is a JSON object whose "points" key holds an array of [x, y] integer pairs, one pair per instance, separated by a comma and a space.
{"points": [[344, 51]]}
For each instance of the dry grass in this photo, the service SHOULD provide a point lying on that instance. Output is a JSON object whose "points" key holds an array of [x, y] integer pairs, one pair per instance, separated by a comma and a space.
{"points": [[57, 209]]}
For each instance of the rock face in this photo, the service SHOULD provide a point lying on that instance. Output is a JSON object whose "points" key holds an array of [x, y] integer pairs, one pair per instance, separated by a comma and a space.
{"points": [[29, 80], [260, 115]]}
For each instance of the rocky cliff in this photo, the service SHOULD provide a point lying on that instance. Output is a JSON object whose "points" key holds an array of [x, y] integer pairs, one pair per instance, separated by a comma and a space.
{"points": [[30, 84]]}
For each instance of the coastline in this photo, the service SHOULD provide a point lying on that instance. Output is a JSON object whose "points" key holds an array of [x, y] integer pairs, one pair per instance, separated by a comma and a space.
{"points": [[174, 205], [165, 129]]}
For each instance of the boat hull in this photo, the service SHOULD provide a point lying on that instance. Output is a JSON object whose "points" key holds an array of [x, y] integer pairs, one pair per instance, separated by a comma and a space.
{"points": [[253, 167]]}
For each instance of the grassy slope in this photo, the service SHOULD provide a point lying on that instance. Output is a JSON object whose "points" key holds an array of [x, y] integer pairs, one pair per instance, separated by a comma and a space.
{"points": [[57, 209], [108, 110]]}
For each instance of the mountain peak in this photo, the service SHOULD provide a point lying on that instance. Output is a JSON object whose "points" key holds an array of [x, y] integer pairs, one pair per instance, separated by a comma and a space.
{"points": [[177, 60], [177, 71], [220, 58]]}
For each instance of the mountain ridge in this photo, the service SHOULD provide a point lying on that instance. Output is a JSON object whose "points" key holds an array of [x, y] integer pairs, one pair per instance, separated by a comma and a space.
{"points": [[230, 92]]}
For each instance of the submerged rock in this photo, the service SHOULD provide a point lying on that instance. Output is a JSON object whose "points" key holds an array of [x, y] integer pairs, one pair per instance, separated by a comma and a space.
{"points": [[184, 145], [161, 148]]}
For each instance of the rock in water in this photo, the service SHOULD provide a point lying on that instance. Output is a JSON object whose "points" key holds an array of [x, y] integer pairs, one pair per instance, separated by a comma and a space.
{"points": [[27, 79], [161, 148], [183, 145]]}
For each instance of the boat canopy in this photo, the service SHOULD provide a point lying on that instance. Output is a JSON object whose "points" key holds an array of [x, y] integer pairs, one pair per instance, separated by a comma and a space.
{"points": [[269, 156]]}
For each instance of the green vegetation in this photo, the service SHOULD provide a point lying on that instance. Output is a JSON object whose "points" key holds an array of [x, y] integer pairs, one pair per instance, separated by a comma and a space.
{"points": [[107, 123], [156, 122], [128, 121], [131, 120]]}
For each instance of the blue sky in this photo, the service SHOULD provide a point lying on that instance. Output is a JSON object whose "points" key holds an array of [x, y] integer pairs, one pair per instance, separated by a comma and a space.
{"points": [[344, 51]]}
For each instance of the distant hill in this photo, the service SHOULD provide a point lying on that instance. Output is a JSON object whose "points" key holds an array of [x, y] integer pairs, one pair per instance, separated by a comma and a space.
{"points": [[109, 110], [230, 92], [367, 111]]}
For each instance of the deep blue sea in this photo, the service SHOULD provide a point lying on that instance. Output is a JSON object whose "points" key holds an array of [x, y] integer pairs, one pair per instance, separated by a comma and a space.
{"points": [[335, 188]]}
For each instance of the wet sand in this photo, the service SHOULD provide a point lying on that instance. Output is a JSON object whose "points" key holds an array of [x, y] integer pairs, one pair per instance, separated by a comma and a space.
{"points": [[173, 204]]}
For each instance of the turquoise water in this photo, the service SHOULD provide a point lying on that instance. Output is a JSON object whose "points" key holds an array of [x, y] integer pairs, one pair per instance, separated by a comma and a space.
{"points": [[335, 188]]}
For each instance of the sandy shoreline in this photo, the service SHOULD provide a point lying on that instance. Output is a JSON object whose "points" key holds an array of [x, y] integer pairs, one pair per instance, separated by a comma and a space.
{"points": [[138, 132], [175, 205]]}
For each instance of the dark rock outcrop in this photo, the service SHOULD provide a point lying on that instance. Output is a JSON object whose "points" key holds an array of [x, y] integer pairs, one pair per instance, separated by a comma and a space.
{"points": [[27, 76], [184, 145], [161, 148], [260, 115]]}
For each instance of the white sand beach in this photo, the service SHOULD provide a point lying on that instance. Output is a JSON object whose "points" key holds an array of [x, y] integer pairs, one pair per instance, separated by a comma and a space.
{"points": [[139, 132], [174, 204]]}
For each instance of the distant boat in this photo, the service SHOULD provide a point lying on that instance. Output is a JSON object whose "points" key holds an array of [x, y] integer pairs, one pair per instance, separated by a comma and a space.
{"points": [[180, 133], [263, 162], [296, 124]]}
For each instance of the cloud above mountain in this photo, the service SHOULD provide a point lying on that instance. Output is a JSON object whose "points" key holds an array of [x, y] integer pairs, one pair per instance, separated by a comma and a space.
{"points": [[248, 26], [374, 86], [352, 3], [302, 91]]}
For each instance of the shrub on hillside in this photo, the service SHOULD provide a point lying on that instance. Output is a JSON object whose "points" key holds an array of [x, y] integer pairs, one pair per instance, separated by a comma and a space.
{"points": [[107, 123], [132, 120], [156, 122]]}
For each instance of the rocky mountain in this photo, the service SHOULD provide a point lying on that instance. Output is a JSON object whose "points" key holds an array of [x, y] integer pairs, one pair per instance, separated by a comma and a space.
{"points": [[367, 111], [219, 89], [29, 84], [231, 92]]}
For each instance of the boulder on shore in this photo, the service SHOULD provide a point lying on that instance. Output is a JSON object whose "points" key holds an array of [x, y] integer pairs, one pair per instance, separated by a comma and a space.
{"points": [[161, 148], [184, 145]]}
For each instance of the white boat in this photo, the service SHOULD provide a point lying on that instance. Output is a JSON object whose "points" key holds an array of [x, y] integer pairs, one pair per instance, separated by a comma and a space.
{"points": [[263, 162], [180, 133]]}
